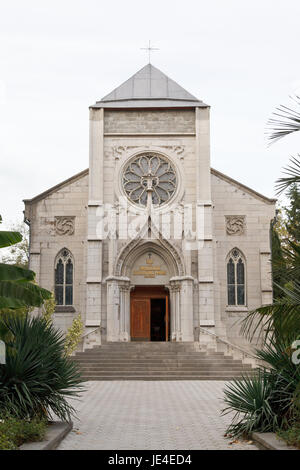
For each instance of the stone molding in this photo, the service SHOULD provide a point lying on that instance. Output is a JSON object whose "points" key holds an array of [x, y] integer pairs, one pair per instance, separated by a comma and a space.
{"points": [[64, 309]]}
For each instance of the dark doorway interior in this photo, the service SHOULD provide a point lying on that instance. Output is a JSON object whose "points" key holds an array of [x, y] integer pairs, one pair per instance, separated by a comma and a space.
{"points": [[158, 320]]}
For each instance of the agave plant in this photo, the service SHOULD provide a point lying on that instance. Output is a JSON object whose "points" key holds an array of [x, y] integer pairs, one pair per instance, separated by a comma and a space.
{"points": [[38, 378], [268, 400]]}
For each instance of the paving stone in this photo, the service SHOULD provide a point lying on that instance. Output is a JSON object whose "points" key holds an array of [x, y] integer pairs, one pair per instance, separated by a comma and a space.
{"points": [[164, 415]]}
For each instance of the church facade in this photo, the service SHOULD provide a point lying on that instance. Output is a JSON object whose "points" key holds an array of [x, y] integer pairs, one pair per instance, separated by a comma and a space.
{"points": [[150, 243]]}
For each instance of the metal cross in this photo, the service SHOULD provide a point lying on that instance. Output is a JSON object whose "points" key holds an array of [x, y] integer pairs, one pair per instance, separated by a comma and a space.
{"points": [[149, 49]]}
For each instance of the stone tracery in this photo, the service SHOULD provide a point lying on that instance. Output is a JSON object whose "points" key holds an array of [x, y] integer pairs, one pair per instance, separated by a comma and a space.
{"points": [[149, 171]]}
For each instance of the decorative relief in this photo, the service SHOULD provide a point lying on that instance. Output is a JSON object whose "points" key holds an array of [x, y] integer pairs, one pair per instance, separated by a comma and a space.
{"points": [[178, 149], [65, 225], [118, 150], [235, 224]]}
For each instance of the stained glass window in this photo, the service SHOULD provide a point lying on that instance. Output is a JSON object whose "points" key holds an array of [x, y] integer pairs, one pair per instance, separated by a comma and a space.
{"points": [[236, 278], [149, 174], [64, 278]]}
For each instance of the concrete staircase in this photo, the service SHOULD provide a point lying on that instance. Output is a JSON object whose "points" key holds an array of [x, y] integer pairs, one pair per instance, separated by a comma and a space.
{"points": [[157, 361]]}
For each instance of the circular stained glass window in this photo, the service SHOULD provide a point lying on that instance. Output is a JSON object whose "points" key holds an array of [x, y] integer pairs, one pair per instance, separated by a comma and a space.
{"points": [[149, 176]]}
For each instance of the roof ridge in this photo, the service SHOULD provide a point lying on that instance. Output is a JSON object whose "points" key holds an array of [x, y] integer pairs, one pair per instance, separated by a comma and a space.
{"points": [[149, 83]]}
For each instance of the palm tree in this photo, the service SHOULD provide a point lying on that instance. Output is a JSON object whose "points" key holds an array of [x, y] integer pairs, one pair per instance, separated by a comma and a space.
{"points": [[286, 121], [270, 400], [282, 318]]}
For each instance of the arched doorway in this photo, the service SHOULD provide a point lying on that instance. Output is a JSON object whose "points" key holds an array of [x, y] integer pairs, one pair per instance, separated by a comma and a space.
{"points": [[149, 301], [149, 296], [149, 313]]}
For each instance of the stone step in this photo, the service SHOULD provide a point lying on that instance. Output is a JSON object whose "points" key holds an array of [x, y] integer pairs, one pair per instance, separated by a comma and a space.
{"points": [[170, 373], [152, 362], [147, 344], [227, 370], [144, 348], [149, 356], [153, 377], [165, 366], [158, 361]]}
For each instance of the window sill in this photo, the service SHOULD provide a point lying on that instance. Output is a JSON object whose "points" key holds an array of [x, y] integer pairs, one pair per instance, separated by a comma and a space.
{"points": [[236, 308], [64, 309]]}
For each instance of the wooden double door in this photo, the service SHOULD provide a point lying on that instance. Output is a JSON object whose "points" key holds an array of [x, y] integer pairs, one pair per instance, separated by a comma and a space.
{"points": [[149, 314]]}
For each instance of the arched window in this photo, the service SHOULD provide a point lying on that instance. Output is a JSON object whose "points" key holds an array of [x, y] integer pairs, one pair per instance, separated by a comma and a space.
{"points": [[236, 291], [64, 278]]}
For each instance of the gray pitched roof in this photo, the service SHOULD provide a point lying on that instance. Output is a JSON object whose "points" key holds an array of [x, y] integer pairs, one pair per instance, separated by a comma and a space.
{"points": [[149, 87]]}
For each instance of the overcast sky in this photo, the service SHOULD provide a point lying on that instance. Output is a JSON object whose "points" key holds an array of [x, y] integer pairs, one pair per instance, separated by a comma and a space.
{"points": [[59, 57]]}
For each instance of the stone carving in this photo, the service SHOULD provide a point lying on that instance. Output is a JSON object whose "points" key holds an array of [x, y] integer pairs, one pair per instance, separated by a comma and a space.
{"points": [[235, 224], [178, 149], [118, 150], [64, 225], [134, 243]]}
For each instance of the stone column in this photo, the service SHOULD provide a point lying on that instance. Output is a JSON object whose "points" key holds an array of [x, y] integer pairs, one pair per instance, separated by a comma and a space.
{"points": [[124, 311], [118, 308], [182, 317], [204, 216], [176, 334], [186, 308], [95, 203]]}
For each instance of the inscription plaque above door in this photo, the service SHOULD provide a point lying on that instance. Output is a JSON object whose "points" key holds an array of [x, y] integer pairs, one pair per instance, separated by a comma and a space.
{"points": [[149, 269]]}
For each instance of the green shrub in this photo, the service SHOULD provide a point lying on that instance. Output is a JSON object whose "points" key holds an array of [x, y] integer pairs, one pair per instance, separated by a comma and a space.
{"points": [[291, 435], [38, 377], [73, 335], [14, 432], [269, 400]]}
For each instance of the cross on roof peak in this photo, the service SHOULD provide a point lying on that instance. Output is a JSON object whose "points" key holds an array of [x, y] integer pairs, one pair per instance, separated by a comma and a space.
{"points": [[149, 49]]}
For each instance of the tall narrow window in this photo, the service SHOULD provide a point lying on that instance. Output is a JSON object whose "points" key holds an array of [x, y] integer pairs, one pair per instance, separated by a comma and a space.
{"points": [[236, 278], [64, 278]]}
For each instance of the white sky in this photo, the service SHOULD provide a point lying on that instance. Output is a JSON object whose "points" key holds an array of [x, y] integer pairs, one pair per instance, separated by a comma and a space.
{"points": [[59, 57]]}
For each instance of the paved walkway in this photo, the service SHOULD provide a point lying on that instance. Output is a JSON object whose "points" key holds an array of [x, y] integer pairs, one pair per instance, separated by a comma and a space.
{"points": [[166, 415]]}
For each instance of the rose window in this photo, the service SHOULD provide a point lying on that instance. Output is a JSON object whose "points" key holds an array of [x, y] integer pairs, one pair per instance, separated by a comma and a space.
{"points": [[149, 176]]}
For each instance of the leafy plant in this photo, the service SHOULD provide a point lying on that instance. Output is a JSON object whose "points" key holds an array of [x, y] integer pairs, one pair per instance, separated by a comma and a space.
{"points": [[18, 254], [38, 377], [270, 401], [14, 432], [48, 309], [291, 435], [74, 332], [73, 335], [266, 401], [280, 319], [17, 288]]}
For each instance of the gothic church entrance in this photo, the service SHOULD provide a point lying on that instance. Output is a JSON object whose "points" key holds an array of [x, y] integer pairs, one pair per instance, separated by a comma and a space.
{"points": [[149, 314]]}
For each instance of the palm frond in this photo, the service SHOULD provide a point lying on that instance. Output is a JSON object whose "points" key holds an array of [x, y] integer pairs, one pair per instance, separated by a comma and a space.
{"points": [[293, 172], [286, 120], [281, 319]]}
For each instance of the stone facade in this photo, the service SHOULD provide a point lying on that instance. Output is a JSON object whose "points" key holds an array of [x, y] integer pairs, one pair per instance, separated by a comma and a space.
{"points": [[106, 269]]}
